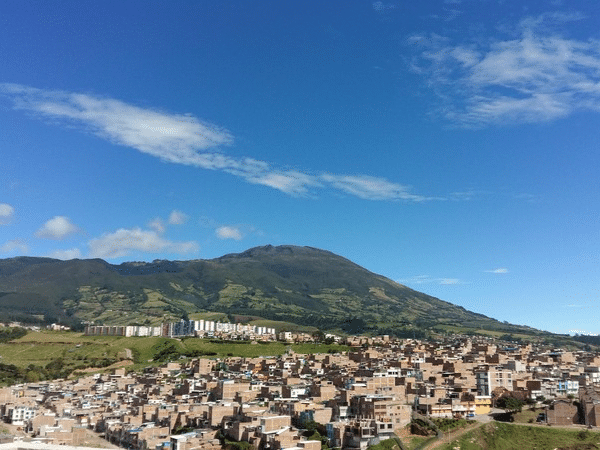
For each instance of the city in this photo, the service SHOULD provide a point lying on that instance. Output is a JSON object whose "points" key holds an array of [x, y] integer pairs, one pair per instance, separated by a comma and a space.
{"points": [[358, 398]]}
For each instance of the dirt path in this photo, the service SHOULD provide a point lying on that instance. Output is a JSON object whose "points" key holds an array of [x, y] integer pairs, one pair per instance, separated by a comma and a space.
{"points": [[452, 436], [116, 365], [94, 440]]}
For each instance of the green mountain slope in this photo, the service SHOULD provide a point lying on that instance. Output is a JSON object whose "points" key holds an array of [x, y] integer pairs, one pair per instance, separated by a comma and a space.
{"points": [[301, 285]]}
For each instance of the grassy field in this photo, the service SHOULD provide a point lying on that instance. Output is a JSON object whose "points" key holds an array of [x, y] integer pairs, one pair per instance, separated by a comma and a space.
{"points": [[413, 442], [40, 348], [526, 415], [209, 316], [502, 436]]}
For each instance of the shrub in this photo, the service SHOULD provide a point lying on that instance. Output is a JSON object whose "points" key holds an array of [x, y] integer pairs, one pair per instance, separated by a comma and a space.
{"points": [[583, 435]]}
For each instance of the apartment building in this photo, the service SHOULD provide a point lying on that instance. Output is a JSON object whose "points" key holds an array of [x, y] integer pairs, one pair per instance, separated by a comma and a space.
{"points": [[488, 380]]}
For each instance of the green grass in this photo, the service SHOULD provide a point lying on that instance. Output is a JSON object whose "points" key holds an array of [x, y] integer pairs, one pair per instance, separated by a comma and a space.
{"points": [[40, 348], [248, 350], [414, 441], [452, 424], [388, 444], [208, 316], [307, 286], [526, 415], [501, 436]]}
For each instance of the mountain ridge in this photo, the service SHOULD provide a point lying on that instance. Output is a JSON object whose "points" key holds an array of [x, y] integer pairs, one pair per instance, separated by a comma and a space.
{"points": [[296, 284]]}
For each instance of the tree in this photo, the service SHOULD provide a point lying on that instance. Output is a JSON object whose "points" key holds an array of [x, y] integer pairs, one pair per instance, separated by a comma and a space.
{"points": [[511, 404], [318, 336]]}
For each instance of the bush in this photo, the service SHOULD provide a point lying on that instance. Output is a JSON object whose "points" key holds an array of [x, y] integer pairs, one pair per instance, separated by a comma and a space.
{"points": [[583, 435], [511, 403], [242, 445]]}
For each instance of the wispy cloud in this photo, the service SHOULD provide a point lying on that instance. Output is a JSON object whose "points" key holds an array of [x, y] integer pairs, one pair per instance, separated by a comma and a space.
{"points": [[171, 137], [124, 241], [530, 198], [158, 225], [14, 246], [449, 14], [66, 254], [382, 7], [426, 279], [498, 270], [466, 195], [6, 213], [583, 332], [538, 77], [59, 227], [450, 281], [372, 188], [229, 232], [290, 182], [177, 217], [184, 139]]}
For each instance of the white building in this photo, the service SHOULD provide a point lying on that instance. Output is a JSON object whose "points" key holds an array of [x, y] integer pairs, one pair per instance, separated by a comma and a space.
{"points": [[19, 415], [488, 380]]}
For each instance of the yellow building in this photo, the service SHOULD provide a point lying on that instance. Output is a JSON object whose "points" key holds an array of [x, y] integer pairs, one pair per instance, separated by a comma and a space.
{"points": [[483, 404]]}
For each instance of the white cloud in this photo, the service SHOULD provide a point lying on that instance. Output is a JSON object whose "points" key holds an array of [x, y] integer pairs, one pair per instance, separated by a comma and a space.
{"points": [[177, 217], [58, 227], [291, 182], [66, 254], [498, 270], [184, 139], [157, 225], [371, 188], [228, 232], [381, 7], [15, 246], [6, 213], [171, 137], [449, 281], [123, 241], [586, 333], [466, 195], [449, 14], [426, 279], [530, 198], [466, 56], [538, 77]]}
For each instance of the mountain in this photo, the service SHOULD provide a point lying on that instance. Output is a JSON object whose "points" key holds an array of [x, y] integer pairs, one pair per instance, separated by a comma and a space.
{"points": [[299, 285]]}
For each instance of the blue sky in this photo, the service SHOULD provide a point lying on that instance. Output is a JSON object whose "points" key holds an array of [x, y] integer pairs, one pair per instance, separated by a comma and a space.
{"points": [[451, 145]]}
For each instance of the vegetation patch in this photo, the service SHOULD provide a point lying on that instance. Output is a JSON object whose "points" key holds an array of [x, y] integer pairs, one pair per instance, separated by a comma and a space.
{"points": [[78, 352], [503, 436], [452, 424], [306, 286], [388, 444]]}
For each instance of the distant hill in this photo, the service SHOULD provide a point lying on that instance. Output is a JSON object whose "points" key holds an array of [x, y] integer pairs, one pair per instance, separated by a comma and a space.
{"points": [[297, 285]]}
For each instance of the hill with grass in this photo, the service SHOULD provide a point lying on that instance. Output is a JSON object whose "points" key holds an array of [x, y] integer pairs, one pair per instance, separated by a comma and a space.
{"points": [[283, 286]]}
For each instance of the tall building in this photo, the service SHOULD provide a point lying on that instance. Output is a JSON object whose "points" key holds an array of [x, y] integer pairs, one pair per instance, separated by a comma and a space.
{"points": [[488, 380]]}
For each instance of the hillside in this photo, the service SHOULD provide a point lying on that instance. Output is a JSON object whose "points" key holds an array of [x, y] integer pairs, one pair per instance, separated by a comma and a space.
{"points": [[300, 285]]}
